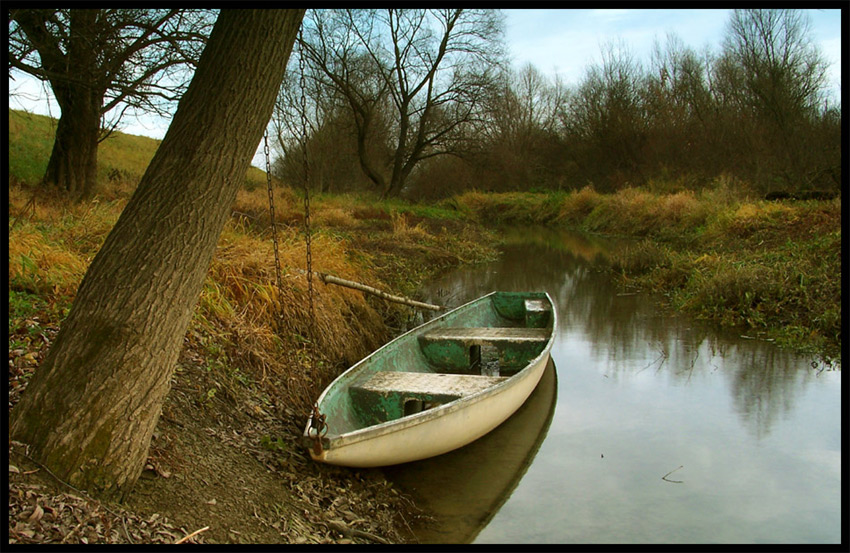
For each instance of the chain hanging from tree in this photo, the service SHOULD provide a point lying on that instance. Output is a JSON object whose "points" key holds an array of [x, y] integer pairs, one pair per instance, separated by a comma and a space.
{"points": [[317, 419], [307, 230]]}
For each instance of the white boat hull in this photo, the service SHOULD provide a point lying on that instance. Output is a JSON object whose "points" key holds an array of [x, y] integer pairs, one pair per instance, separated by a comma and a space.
{"points": [[438, 430]]}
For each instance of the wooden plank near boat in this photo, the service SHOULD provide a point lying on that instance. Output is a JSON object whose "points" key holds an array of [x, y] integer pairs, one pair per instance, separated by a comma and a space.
{"points": [[401, 403]]}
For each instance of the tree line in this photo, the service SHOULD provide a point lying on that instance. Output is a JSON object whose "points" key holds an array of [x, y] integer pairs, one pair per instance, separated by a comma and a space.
{"points": [[424, 103]]}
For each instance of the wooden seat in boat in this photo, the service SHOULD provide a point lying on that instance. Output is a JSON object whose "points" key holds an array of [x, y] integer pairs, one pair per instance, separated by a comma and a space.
{"points": [[487, 335], [386, 396], [434, 384], [537, 313]]}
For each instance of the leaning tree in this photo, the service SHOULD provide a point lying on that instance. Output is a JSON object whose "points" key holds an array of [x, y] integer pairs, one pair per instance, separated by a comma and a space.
{"points": [[100, 63], [90, 410]]}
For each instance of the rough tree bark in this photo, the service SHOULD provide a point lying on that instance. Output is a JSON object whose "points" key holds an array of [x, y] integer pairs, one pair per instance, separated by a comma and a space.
{"points": [[90, 410], [73, 160]]}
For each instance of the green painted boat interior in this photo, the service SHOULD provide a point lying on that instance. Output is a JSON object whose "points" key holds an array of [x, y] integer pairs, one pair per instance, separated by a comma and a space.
{"points": [[459, 353]]}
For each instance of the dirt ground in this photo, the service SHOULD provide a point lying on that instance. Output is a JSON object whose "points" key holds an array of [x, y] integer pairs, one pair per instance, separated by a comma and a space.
{"points": [[226, 469]]}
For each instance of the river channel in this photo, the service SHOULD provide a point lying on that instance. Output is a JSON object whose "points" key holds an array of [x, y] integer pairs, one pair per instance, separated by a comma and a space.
{"points": [[647, 427]]}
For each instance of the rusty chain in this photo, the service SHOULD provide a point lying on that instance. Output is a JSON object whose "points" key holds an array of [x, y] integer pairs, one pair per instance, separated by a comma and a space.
{"points": [[278, 315], [318, 420], [301, 70]]}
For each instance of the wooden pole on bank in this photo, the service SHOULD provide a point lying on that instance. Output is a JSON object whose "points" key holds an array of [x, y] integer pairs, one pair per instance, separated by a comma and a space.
{"points": [[330, 279]]}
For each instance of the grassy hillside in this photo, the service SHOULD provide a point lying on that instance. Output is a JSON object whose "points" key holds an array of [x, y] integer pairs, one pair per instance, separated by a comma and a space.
{"points": [[121, 158]]}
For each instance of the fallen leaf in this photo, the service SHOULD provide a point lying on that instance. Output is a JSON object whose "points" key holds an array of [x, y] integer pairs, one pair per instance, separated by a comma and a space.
{"points": [[36, 515], [13, 468]]}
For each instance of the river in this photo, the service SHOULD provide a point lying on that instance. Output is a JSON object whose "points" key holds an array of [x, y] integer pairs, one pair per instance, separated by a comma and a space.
{"points": [[648, 426]]}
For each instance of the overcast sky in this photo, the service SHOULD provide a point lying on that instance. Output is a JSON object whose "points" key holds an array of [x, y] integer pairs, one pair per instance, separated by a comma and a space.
{"points": [[564, 42]]}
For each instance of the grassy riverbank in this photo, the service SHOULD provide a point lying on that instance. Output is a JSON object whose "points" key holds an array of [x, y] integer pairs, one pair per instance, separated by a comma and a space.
{"points": [[770, 268], [226, 454]]}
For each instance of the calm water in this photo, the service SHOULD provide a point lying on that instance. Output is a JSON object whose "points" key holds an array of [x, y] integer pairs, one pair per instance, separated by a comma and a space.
{"points": [[649, 428]]}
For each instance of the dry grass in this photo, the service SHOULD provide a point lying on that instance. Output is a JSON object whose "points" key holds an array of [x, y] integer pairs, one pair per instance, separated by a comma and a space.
{"points": [[578, 205], [52, 244], [39, 266], [402, 229]]}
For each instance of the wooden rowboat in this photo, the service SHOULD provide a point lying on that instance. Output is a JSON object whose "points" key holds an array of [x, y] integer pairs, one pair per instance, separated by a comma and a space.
{"points": [[437, 387]]}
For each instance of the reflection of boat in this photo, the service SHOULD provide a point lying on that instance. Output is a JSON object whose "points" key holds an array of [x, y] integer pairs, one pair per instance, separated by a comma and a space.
{"points": [[465, 488], [437, 387]]}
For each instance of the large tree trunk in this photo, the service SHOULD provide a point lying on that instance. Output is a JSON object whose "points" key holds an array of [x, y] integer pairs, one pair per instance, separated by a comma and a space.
{"points": [[73, 161], [90, 409]]}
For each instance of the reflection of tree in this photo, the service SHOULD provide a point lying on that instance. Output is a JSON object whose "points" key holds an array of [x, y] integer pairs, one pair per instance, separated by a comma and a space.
{"points": [[764, 382], [628, 334]]}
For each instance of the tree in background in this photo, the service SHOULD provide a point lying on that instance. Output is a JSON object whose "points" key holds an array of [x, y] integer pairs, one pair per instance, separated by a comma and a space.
{"points": [[605, 122], [518, 141], [413, 78], [778, 80], [99, 62], [755, 111], [342, 133], [91, 407]]}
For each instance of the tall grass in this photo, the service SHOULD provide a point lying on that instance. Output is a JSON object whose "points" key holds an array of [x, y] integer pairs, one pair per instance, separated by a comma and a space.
{"points": [[767, 267], [252, 325]]}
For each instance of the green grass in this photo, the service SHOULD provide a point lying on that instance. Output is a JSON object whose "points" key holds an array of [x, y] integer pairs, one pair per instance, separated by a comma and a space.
{"points": [[30, 142], [771, 268], [121, 158]]}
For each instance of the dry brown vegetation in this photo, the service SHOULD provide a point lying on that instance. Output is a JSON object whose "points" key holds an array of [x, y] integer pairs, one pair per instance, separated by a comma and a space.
{"points": [[226, 452]]}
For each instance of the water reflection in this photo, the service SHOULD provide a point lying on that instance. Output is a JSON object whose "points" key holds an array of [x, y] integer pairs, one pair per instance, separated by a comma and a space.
{"points": [[628, 333], [642, 391], [480, 477]]}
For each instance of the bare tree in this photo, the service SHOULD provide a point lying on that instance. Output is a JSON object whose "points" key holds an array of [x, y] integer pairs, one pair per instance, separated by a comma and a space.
{"points": [[99, 62], [91, 407], [777, 79], [783, 73], [605, 120], [340, 133], [429, 69], [518, 143]]}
